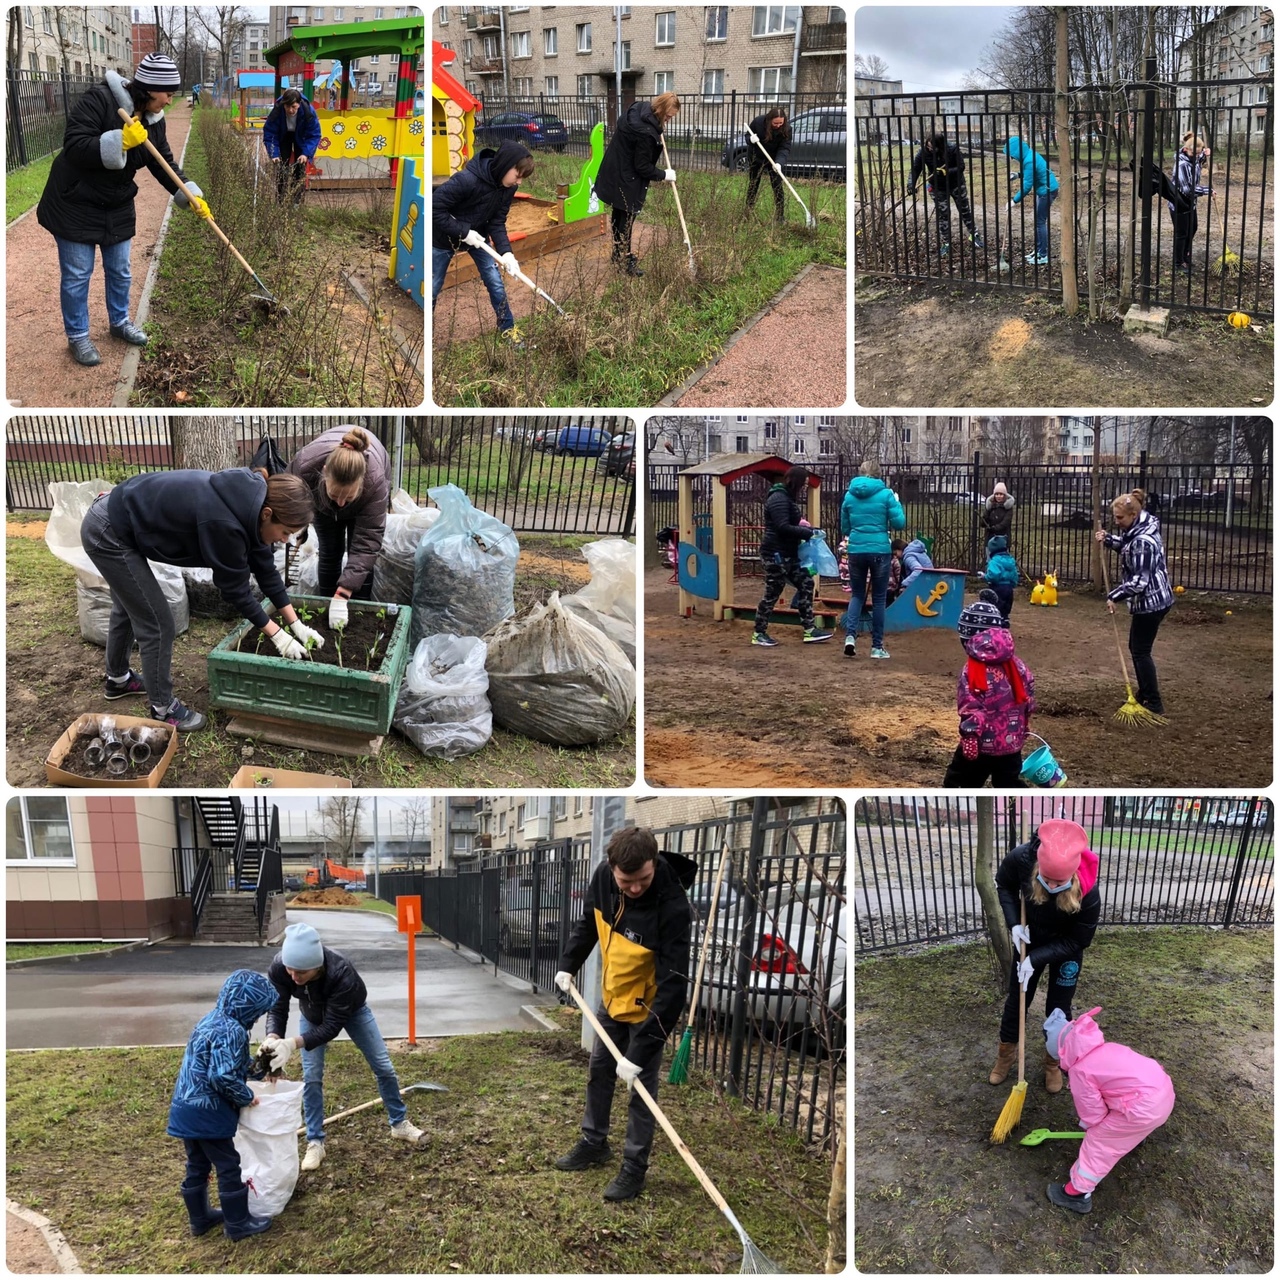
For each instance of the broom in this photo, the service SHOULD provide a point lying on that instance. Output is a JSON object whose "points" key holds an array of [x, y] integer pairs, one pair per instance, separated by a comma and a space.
{"points": [[1012, 1113], [680, 1063], [1133, 712]]}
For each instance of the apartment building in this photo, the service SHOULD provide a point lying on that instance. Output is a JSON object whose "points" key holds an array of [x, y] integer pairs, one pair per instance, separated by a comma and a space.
{"points": [[77, 40], [799, 436], [1236, 44], [377, 68]]}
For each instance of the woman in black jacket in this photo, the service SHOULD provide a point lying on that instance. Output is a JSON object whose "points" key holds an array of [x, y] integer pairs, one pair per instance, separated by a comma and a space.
{"points": [[773, 132], [226, 521], [780, 551], [629, 165], [88, 199]]}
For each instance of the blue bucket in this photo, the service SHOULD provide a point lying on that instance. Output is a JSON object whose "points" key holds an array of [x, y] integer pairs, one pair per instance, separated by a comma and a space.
{"points": [[1040, 769]]}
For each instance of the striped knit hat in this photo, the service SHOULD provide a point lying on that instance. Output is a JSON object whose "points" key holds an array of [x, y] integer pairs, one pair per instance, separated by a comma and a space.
{"points": [[156, 71]]}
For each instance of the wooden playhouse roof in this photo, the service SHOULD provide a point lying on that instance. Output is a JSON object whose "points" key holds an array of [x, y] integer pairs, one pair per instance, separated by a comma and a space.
{"points": [[442, 80], [728, 467]]}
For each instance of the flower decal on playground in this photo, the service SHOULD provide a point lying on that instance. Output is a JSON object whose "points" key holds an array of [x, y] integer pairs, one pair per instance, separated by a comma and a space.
{"points": [[339, 128], [378, 143], [325, 144], [415, 127], [364, 126], [352, 144]]}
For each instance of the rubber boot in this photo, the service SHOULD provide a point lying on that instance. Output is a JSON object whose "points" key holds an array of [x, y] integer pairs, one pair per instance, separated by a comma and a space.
{"points": [[1052, 1075], [237, 1221], [202, 1217], [631, 267], [1005, 1057]]}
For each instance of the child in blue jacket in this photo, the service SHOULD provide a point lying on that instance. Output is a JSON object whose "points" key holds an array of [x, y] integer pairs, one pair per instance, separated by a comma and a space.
{"points": [[207, 1098], [291, 134], [1002, 573], [1037, 177]]}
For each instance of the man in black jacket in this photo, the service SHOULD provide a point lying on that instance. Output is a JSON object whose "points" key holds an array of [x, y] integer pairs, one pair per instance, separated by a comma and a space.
{"points": [[780, 552], [637, 910], [88, 198], [944, 177], [472, 208], [331, 998]]}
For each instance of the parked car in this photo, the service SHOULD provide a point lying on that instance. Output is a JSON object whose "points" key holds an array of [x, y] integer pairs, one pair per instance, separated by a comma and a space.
{"points": [[619, 458], [515, 927], [293, 883], [582, 442], [534, 129], [357, 886], [819, 145]]}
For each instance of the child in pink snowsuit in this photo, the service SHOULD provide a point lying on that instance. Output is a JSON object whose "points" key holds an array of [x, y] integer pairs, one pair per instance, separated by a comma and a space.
{"points": [[1120, 1097]]}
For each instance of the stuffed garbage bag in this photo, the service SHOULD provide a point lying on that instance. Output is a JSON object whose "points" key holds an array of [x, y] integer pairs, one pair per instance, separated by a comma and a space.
{"points": [[608, 601], [267, 1140], [393, 569], [443, 708]]}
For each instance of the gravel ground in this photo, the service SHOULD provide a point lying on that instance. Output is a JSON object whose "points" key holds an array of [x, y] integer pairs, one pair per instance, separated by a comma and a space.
{"points": [[41, 372], [795, 354], [26, 1252]]}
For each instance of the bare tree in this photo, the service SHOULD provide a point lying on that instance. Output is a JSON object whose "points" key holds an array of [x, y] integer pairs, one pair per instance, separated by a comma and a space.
{"points": [[1012, 439], [17, 36], [205, 443], [871, 65], [224, 24], [682, 437], [340, 825], [867, 435], [417, 822]]}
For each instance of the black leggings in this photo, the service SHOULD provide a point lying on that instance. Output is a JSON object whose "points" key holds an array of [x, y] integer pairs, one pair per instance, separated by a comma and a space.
{"points": [[334, 539], [753, 188], [1142, 636], [1185, 226], [621, 221], [1063, 975], [1003, 771]]}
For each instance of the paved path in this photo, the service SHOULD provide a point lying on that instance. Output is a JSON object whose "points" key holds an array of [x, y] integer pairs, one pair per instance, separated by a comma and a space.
{"points": [[41, 372], [156, 995]]}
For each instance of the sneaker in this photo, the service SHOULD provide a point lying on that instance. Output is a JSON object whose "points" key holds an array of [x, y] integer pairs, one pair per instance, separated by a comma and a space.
{"points": [[815, 635], [850, 647], [944, 249], [513, 338], [764, 640], [83, 351], [584, 1155], [125, 687], [626, 1186], [879, 653], [975, 239], [130, 333], [314, 1157], [182, 718], [406, 1131], [1060, 1196], [1037, 259]]}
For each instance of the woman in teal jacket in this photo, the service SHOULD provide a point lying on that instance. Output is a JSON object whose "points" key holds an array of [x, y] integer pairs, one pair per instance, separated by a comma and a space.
{"points": [[1037, 177], [869, 511]]}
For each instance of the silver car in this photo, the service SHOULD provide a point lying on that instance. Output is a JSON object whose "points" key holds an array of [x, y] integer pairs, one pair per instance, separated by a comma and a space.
{"points": [[819, 145]]}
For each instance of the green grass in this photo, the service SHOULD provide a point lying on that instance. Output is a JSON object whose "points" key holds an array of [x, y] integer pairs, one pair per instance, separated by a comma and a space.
{"points": [[23, 187], [480, 1196], [44, 950]]}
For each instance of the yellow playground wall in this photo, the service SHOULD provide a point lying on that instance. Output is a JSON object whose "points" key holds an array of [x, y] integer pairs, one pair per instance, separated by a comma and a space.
{"points": [[366, 134]]}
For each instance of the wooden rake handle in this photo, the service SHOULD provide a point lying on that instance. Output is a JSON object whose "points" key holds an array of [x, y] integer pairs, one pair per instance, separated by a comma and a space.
{"points": [[1115, 626], [350, 1111], [706, 939], [1022, 1003], [666, 160], [647, 1098]]}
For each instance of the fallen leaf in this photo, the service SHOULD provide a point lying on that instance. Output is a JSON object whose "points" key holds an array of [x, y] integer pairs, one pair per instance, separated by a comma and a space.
{"points": [[182, 396]]}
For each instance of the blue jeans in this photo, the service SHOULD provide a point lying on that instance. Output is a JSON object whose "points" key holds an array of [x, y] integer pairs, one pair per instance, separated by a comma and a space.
{"points": [[75, 261], [490, 273], [1042, 222], [364, 1033], [862, 566]]}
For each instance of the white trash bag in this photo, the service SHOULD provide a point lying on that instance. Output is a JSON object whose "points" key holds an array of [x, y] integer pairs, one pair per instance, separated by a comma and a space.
{"points": [[268, 1144], [443, 708], [608, 601], [393, 569], [559, 679]]}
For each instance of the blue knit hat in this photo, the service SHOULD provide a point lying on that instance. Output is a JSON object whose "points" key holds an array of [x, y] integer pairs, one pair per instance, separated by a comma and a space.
{"points": [[302, 948], [981, 615]]}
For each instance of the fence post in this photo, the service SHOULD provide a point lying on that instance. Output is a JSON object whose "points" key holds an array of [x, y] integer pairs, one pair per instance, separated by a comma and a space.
{"points": [[974, 563], [733, 119], [746, 947], [1242, 852], [1142, 470], [1144, 176], [15, 117]]}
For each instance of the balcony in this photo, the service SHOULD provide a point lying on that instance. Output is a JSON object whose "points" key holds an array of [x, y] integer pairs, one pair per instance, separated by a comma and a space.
{"points": [[483, 20], [482, 65], [826, 37]]}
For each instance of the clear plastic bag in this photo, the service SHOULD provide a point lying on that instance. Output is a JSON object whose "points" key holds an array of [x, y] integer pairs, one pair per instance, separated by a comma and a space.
{"points": [[464, 573], [818, 558], [443, 707], [393, 569], [557, 678], [608, 601]]}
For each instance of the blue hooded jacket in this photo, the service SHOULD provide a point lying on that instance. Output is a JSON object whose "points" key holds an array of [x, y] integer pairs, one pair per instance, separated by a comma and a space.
{"points": [[915, 559], [306, 131], [1036, 174], [210, 1088], [869, 511], [1002, 568]]}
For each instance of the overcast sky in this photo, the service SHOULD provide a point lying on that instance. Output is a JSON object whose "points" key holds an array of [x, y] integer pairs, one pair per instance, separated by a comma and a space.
{"points": [[928, 48]]}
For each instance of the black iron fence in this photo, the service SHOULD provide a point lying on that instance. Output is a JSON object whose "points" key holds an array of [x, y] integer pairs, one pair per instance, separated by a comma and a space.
{"points": [[898, 232], [37, 107], [771, 1018], [1216, 518], [1198, 860], [522, 469]]}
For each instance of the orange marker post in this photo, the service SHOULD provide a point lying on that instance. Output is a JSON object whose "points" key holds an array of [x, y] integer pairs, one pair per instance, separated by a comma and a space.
{"points": [[409, 921]]}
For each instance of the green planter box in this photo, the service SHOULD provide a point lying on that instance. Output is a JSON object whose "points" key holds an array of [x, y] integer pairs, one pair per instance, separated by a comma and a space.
{"points": [[313, 693]]}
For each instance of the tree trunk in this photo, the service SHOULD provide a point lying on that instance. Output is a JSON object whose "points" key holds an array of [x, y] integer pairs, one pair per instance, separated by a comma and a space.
{"points": [[984, 880], [836, 1204], [1067, 176], [203, 443], [1096, 550]]}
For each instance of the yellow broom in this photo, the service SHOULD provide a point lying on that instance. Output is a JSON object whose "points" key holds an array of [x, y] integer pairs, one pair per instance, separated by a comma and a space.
{"points": [[1133, 712], [1012, 1112]]}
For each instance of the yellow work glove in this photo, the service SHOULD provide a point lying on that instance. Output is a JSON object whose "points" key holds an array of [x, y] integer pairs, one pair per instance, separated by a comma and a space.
{"points": [[134, 134], [199, 206]]}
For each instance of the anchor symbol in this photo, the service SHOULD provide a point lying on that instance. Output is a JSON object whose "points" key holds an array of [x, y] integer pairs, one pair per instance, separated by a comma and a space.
{"points": [[922, 606]]}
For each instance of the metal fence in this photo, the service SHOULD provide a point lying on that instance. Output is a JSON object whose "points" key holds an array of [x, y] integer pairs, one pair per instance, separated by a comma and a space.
{"points": [[507, 464], [1198, 860], [771, 1024], [37, 107], [696, 138], [897, 234], [1216, 518]]}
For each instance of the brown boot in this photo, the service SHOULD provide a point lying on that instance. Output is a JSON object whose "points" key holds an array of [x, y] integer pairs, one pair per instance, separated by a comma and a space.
{"points": [[1052, 1075], [1005, 1057]]}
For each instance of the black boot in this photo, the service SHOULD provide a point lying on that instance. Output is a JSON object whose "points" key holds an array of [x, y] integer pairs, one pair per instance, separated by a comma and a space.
{"points": [[632, 268], [238, 1222], [202, 1217], [584, 1155], [626, 1186]]}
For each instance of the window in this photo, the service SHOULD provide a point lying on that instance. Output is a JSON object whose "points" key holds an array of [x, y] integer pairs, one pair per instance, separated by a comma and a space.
{"points": [[626, 54], [584, 37], [522, 86], [375, 58], [51, 64], [444, 15], [797, 446], [770, 430], [713, 444], [502, 823], [717, 22], [826, 446], [550, 42], [34, 60], [664, 82], [491, 51], [743, 444], [768, 82], [29, 19], [665, 29], [253, 58], [713, 85], [552, 84], [520, 817], [521, 44], [586, 84], [799, 419], [835, 15], [468, 48], [774, 19], [624, 10], [742, 417], [715, 417], [577, 805], [904, 434], [46, 21], [318, 14], [826, 420], [377, 14], [558, 804], [519, 8], [39, 830]]}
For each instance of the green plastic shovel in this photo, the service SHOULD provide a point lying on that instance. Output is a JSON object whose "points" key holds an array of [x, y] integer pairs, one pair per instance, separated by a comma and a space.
{"points": [[1037, 1136]]}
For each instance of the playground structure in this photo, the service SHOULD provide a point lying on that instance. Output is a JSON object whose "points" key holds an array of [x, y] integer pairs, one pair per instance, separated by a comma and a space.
{"points": [[715, 499], [453, 117]]}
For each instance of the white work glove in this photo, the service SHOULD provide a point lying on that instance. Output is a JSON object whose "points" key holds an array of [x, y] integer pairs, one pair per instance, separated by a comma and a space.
{"points": [[1025, 970], [309, 636], [752, 136], [669, 175], [509, 263], [1021, 934], [562, 980], [337, 613], [288, 647], [474, 239], [628, 1071], [281, 1051]]}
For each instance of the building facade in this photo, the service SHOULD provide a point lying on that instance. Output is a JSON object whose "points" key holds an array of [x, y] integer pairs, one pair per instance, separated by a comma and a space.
{"points": [[1236, 44], [801, 437], [77, 40]]}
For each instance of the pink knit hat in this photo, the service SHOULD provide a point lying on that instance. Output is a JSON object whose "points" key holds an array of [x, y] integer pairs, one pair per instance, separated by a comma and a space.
{"points": [[1062, 842]]}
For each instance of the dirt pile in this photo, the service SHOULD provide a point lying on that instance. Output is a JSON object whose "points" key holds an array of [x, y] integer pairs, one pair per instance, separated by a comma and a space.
{"points": [[334, 896]]}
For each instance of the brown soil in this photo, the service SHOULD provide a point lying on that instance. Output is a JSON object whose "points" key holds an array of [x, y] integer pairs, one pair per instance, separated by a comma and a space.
{"points": [[806, 716], [28, 529], [363, 629], [75, 762], [334, 896], [26, 1252], [1008, 348]]}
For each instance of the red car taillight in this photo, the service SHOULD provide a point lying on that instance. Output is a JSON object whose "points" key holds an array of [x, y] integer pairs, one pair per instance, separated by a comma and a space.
{"points": [[774, 956], [531, 127]]}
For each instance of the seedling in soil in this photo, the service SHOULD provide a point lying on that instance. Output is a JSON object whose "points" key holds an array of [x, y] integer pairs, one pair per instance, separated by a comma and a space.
{"points": [[337, 644]]}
